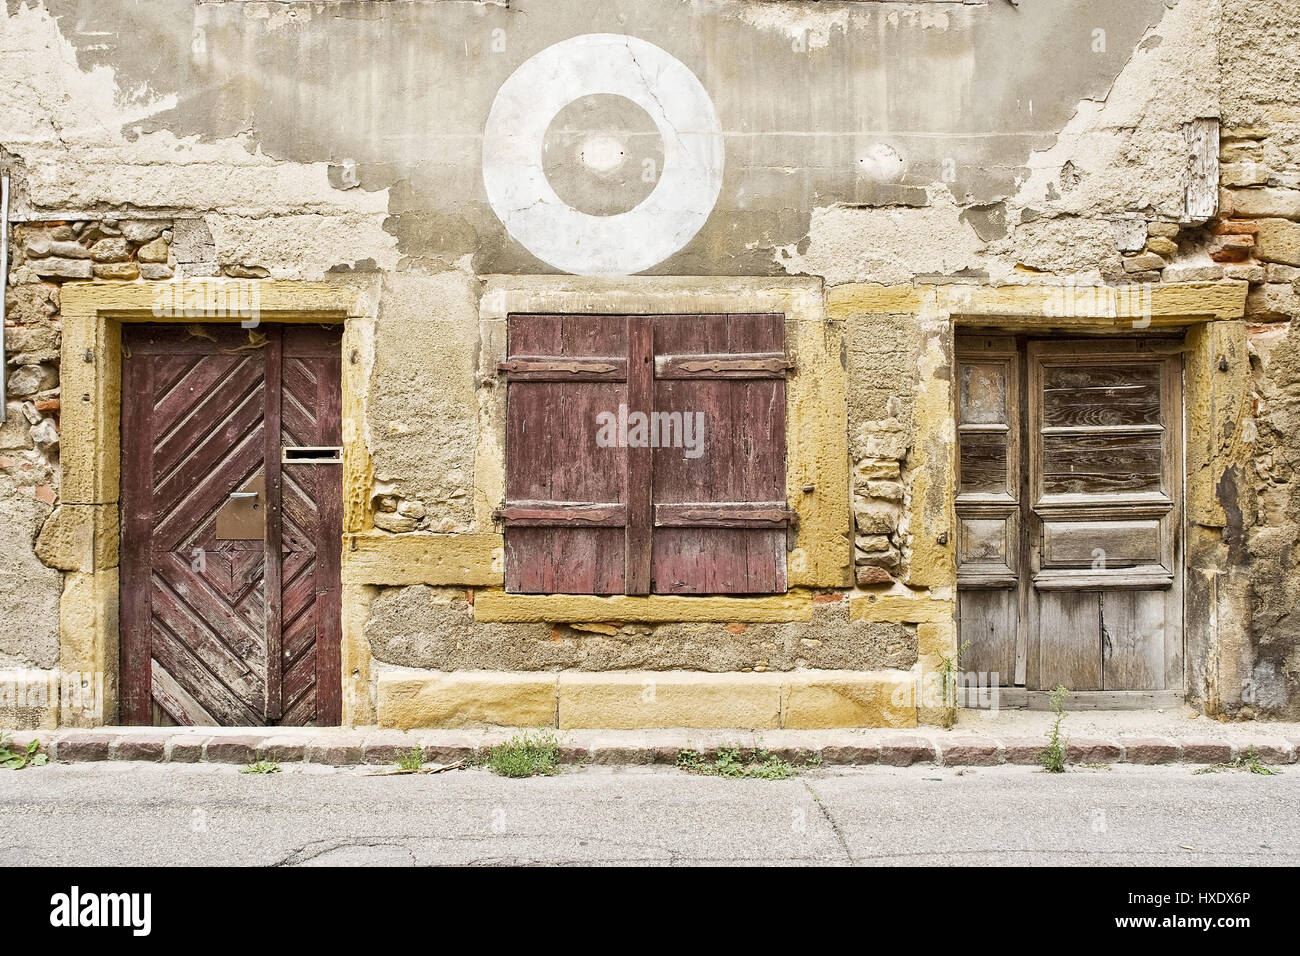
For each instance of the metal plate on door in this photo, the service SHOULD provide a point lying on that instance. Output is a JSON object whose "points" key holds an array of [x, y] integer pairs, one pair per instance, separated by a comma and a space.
{"points": [[243, 516]]}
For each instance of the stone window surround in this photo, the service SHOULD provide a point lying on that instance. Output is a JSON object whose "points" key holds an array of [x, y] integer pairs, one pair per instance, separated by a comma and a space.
{"points": [[817, 485]]}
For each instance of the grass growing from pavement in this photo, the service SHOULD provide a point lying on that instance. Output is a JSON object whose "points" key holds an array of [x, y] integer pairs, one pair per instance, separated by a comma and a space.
{"points": [[1249, 762], [730, 762], [524, 755], [262, 766], [17, 759], [1052, 756], [412, 760]]}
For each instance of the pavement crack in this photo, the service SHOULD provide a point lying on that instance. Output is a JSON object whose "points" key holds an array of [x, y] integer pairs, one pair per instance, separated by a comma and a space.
{"points": [[830, 820], [317, 848]]}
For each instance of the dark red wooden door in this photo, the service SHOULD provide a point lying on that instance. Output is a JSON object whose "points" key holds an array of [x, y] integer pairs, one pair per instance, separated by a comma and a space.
{"points": [[231, 533], [645, 454]]}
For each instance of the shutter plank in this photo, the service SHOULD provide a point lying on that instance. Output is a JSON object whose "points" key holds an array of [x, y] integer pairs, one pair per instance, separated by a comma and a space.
{"points": [[555, 472], [723, 514], [640, 459]]}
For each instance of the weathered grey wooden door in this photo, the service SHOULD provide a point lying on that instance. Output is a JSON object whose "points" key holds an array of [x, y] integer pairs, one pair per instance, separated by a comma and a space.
{"points": [[1069, 512]]}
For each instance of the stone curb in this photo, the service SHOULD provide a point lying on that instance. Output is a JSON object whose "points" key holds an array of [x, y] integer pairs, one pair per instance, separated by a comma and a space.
{"points": [[346, 747]]}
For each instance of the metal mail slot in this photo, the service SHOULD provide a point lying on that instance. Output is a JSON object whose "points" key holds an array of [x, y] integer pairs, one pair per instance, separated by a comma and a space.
{"points": [[312, 456]]}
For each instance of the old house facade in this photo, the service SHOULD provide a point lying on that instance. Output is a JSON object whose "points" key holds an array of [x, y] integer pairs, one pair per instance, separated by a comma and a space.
{"points": [[705, 363]]}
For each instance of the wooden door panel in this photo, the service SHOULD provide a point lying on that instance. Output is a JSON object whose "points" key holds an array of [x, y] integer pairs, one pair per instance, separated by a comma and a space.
{"points": [[989, 598], [311, 528], [989, 620], [202, 627], [1106, 477], [1101, 464], [1133, 631], [1069, 640]]}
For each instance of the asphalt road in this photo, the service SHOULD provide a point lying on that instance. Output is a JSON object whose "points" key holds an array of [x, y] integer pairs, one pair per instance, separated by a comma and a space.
{"points": [[123, 814]]}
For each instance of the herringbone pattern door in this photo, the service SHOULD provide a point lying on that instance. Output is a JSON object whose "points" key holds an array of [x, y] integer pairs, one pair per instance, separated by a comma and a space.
{"points": [[230, 557]]}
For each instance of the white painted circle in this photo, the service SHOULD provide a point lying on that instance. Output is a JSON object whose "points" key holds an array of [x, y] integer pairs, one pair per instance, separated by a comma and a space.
{"points": [[567, 238]]}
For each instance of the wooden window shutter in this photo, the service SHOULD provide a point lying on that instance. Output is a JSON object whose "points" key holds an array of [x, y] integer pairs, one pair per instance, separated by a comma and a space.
{"points": [[690, 499]]}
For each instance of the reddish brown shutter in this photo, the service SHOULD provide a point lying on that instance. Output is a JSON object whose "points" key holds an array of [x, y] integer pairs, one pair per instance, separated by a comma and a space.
{"points": [[581, 518]]}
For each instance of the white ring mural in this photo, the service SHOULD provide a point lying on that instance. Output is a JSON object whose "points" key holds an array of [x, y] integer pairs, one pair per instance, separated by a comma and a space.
{"points": [[567, 238]]}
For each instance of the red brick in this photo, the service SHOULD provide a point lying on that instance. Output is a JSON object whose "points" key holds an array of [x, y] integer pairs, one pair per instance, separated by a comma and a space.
{"points": [[450, 746], [1273, 750], [1235, 227], [572, 753], [1085, 750], [969, 752], [850, 754], [336, 749], [237, 749], [1023, 750], [187, 749], [1206, 750], [1229, 255], [828, 597], [1232, 248], [21, 739], [868, 574], [85, 745], [614, 753], [1151, 750], [283, 748], [905, 751], [142, 745], [388, 746]]}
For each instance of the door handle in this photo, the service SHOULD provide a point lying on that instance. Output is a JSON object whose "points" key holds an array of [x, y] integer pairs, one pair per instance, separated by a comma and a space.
{"points": [[241, 495]]}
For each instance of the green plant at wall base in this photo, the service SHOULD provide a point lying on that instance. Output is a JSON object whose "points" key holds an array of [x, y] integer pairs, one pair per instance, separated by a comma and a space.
{"points": [[948, 674], [731, 763], [262, 766], [1053, 755], [525, 755], [29, 756], [412, 760], [1249, 762]]}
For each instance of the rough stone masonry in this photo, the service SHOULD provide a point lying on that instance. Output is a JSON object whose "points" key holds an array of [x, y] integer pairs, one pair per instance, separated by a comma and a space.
{"points": [[880, 167]]}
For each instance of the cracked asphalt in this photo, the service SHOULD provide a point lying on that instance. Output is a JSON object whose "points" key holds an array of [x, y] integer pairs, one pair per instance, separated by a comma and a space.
{"points": [[146, 814]]}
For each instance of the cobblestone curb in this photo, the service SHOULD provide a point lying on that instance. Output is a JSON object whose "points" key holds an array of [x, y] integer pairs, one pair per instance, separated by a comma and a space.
{"points": [[347, 747]]}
